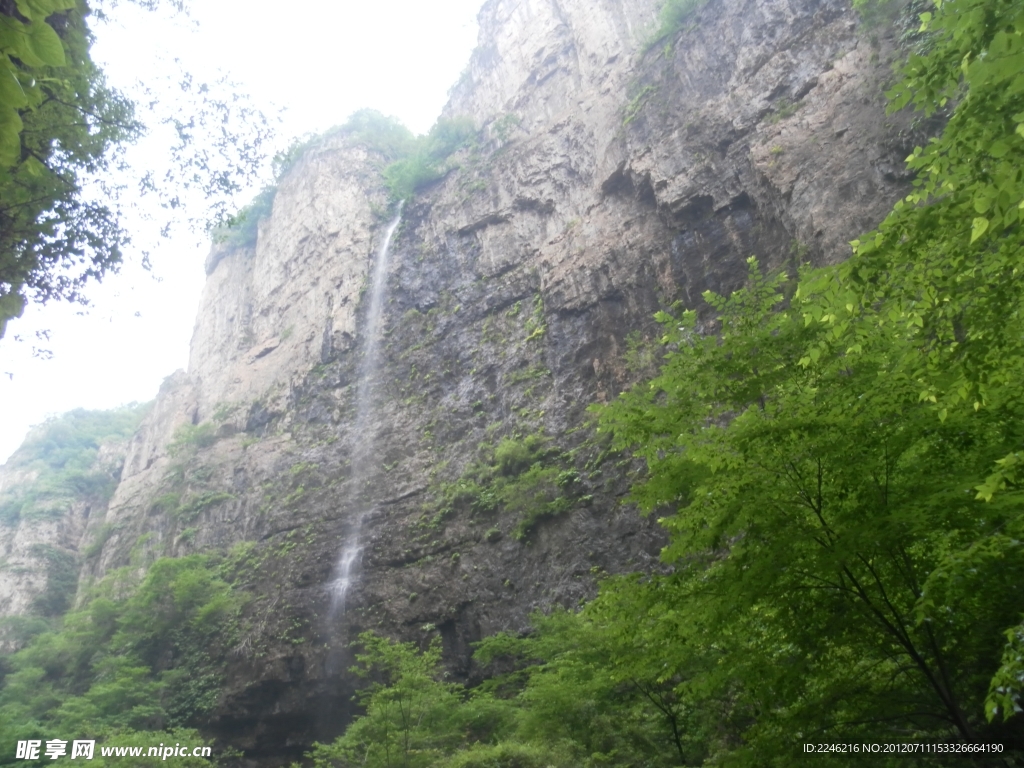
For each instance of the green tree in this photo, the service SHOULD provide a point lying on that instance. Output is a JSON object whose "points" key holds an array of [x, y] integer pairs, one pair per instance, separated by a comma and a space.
{"points": [[945, 264], [838, 471], [62, 129], [426, 159], [824, 526], [592, 685], [57, 121], [134, 665], [412, 718]]}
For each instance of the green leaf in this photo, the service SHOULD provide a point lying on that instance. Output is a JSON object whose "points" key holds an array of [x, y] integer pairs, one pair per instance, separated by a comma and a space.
{"points": [[11, 92], [46, 44], [33, 167], [41, 9], [10, 136], [978, 228], [999, 149], [11, 306]]}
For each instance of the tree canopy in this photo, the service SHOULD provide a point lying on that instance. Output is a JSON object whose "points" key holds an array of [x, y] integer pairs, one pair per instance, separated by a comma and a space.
{"points": [[63, 129]]}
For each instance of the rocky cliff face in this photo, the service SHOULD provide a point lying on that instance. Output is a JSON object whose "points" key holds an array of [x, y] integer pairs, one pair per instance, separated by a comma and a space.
{"points": [[609, 182], [34, 546], [50, 489]]}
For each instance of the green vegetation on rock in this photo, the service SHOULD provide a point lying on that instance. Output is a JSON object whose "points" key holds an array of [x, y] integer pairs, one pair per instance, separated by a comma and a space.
{"points": [[62, 456], [426, 159], [671, 19], [409, 163], [189, 438], [523, 476]]}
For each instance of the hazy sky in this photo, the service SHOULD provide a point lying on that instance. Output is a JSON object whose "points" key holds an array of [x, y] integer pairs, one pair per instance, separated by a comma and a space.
{"points": [[319, 61]]}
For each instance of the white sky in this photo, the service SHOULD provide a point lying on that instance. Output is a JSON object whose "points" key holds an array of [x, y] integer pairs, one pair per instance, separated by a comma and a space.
{"points": [[319, 60]]}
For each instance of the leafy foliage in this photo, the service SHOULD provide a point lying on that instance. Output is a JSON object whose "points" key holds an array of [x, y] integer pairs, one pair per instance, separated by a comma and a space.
{"points": [[523, 475], [672, 17], [56, 117], [132, 665], [62, 129], [589, 688], [579, 697], [946, 260], [188, 438], [823, 519], [384, 135], [411, 718], [426, 161], [240, 229], [1006, 693], [508, 754]]}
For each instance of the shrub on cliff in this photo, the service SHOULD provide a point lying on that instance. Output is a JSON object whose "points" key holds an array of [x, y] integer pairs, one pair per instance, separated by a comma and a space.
{"points": [[411, 163], [672, 17], [427, 161]]}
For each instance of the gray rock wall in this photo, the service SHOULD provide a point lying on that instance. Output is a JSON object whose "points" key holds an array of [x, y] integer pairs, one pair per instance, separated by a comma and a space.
{"points": [[43, 535]]}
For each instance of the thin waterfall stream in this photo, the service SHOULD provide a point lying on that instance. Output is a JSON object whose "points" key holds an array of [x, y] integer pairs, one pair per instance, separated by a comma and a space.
{"points": [[362, 435]]}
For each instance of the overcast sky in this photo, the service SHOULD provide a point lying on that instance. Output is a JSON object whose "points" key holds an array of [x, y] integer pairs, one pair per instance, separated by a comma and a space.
{"points": [[319, 61]]}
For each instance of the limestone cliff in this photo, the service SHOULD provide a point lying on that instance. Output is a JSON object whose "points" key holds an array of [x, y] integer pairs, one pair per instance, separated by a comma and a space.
{"points": [[54, 484], [608, 182]]}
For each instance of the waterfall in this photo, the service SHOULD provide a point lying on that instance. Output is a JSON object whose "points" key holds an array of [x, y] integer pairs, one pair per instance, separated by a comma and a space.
{"points": [[362, 436]]}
